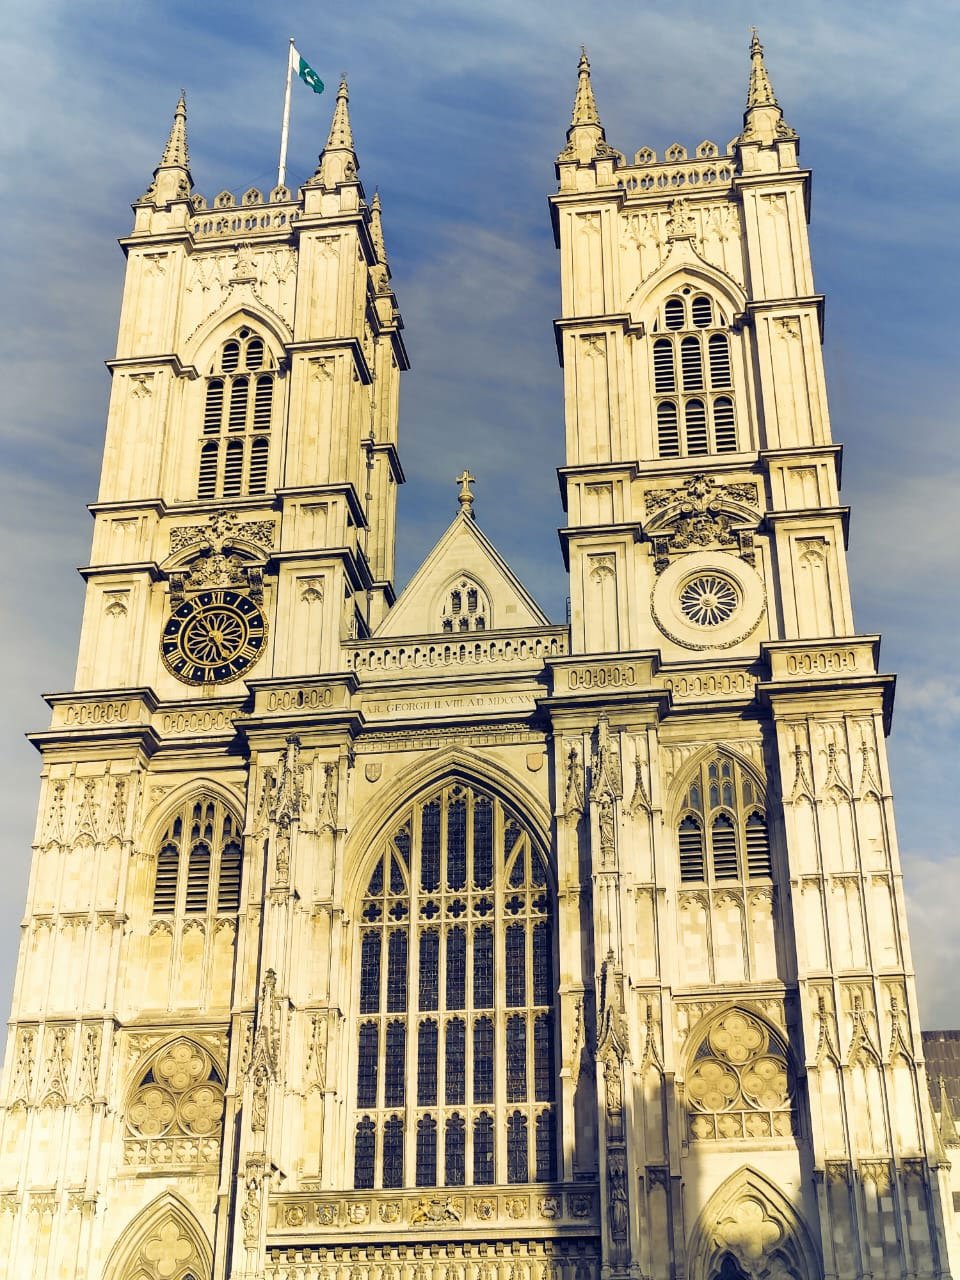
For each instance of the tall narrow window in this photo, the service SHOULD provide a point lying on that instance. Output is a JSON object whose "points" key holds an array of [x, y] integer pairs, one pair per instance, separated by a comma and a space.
{"points": [[462, 879], [722, 831], [200, 862], [237, 419], [694, 339]]}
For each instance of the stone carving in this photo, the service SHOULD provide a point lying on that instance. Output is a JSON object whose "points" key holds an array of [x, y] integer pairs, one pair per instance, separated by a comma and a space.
{"points": [[53, 829], [640, 800], [266, 1047], [437, 1209], [681, 223], [877, 1172], [573, 798], [250, 1211], [738, 1085], [701, 513], [617, 1195], [56, 1069], [21, 1089], [327, 820], [390, 1211], [311, 590], [315, 1070], [749, 1233], [89, 1061]]}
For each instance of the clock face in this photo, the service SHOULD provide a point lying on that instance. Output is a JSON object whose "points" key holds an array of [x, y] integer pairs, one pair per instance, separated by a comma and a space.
{"points": [[213, 637]]}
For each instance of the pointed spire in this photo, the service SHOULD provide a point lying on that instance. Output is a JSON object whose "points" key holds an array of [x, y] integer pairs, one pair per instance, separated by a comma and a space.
{"points": [[763, 120], [341, 135], [584, 104], [176, 154], [171, 178], [760, 90], [586, 139], [338, 159]]}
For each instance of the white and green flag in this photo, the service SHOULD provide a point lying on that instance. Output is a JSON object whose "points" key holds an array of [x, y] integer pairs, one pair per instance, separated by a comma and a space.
{"points": [[304, 70]]}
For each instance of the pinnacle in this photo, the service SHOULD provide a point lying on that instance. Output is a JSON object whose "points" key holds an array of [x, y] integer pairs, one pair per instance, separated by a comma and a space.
{"points": [[763, 120], [341, 135], [376, 230], [176, 154], [584, 104], [760, 90]]}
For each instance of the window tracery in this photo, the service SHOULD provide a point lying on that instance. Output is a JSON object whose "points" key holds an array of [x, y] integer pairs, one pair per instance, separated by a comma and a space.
{"points": [[739, 1084], [693, 378], [199, 862], [455, 1069], [237, 418], [175, 1111], [722, 833]]}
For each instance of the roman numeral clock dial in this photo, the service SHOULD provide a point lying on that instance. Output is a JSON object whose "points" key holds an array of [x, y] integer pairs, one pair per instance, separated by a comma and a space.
{"points": [[214, 637]]}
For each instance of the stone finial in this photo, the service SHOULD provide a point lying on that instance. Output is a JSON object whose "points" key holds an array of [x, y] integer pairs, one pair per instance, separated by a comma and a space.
{"points": [[763, 120], [584, 104], [338, 159], [171, 178], [465, 496]]}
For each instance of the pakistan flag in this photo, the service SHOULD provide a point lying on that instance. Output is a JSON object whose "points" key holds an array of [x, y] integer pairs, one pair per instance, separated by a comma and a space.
{"points": [[305, 71]]}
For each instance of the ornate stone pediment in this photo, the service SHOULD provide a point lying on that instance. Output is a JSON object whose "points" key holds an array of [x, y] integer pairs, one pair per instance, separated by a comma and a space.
{"points": [[701, 513]]}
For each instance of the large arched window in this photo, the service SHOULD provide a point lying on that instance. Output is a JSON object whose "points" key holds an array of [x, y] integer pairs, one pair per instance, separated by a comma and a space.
{"points": [[722, 829], [237, 418], [199, 861], [455, 1072], [692, 378]]}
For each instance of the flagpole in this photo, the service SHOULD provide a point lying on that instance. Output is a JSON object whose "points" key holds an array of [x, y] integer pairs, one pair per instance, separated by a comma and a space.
{"points": [[285, 127]]}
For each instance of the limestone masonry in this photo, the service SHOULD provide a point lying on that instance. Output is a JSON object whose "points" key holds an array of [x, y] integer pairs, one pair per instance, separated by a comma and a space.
{"points": [[378, 937]]}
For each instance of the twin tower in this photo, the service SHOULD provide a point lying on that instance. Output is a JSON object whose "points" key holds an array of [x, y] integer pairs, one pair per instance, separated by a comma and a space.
{"points": [[415, 937]]}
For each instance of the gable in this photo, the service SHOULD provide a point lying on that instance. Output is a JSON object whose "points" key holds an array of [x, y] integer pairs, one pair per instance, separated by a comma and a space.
{"points": [[463, 585]]}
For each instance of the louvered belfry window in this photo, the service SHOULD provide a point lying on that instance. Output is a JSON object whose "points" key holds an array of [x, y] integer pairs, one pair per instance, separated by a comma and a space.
{"points": [[237, 419], [692, 378], [199, 861], [455, 1076], [722, 830]]}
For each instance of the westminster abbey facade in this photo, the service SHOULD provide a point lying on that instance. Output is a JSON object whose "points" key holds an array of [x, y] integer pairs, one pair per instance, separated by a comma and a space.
{"points": [[415, 937]]}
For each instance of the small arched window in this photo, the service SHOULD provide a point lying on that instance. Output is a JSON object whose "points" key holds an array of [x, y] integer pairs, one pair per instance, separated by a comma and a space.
{"points": [[455, 1069], [199, 862], [238, 412], [722, 831], [465, 608], [691, 336]]}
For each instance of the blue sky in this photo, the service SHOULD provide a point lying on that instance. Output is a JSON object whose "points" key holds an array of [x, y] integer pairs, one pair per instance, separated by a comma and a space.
{"points": [[458, 111]]}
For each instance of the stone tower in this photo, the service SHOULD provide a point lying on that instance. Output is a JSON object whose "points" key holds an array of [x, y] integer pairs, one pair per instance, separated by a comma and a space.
{"points": [[416, 938]]}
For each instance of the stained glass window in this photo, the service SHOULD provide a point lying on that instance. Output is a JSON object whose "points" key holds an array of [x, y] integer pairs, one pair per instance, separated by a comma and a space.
{"points": [[456, 912]]}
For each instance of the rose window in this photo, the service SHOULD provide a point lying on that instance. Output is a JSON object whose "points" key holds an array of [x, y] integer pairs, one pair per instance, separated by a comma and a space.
{"points": [[739, 1083], [709, 599]]}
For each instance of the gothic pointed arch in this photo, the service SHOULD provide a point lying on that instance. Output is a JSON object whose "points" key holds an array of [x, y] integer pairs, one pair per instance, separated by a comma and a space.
{"points": [[453, 1063], [454, 761], [196, 841], [739, 1079], [234, 313], [719, 812], [163, 1242], [676, 270], [750, 1230]]}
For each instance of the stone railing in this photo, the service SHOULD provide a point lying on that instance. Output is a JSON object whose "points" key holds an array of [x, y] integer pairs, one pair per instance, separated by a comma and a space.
{"points": [[521, 648], [502, 1259]]}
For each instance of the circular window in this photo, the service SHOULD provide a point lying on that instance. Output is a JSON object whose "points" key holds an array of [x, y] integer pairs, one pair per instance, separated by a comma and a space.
{"points": [[709, 599]]}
